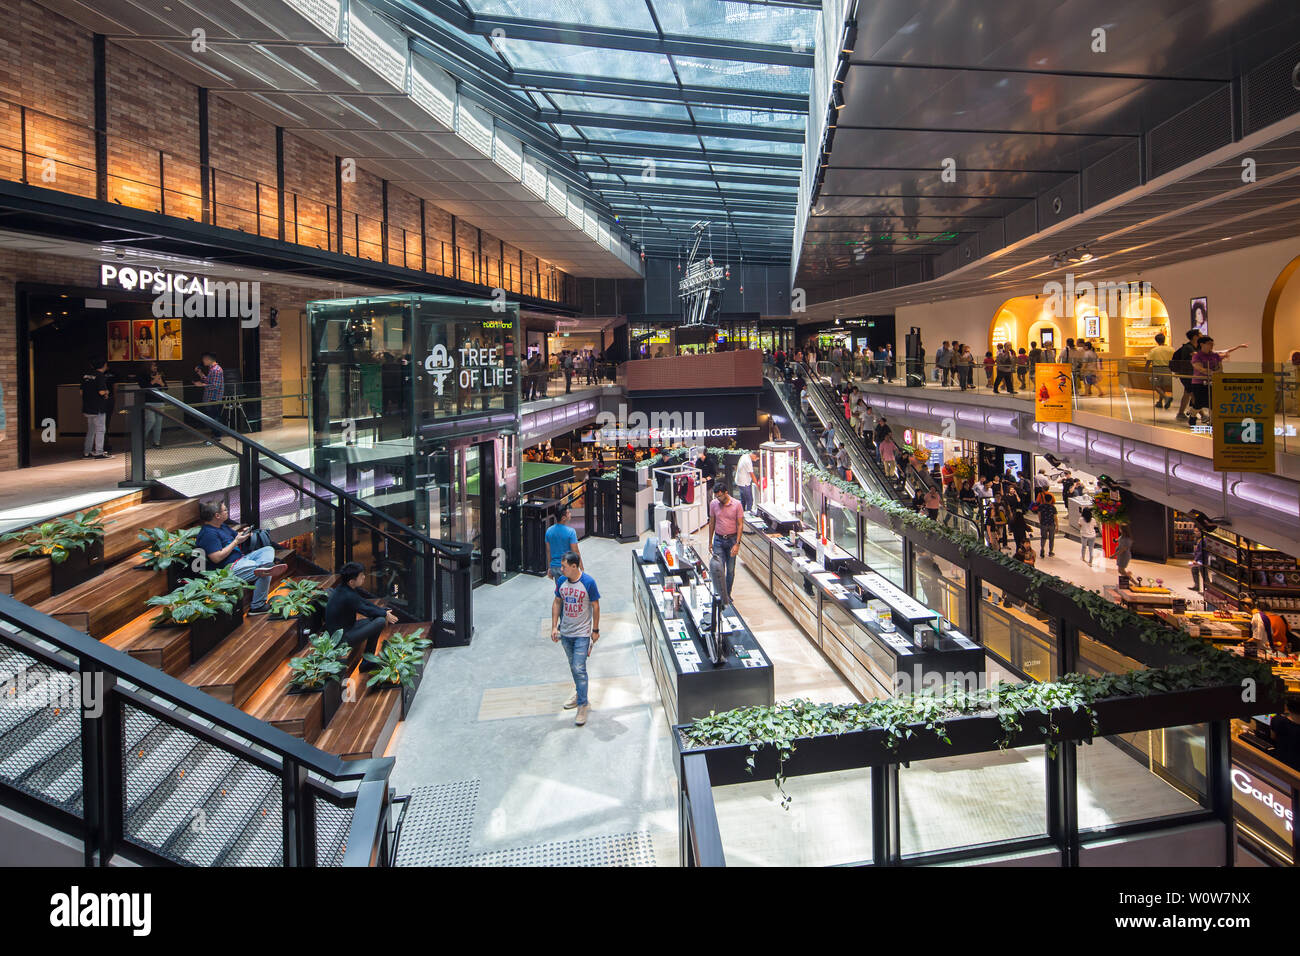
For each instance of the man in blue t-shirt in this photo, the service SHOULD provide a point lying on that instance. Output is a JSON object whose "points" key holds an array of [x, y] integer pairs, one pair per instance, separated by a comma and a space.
{"points": [[575, 623], [222, 543], [561, 539]]}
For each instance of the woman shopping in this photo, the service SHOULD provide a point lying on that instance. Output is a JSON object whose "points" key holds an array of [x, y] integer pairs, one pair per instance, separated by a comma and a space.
{"points": [[1087, 535]]}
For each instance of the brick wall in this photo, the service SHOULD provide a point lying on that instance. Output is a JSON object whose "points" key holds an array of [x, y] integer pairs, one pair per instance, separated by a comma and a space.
{"points": [[403, 228], [241, 149], [47, 64], [437, 233], [153, 136], [363, 211], [742, 369], [308, 179]]}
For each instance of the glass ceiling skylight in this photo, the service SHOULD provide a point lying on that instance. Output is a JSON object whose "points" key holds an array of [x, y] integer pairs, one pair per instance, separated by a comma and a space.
{"points": [[729, 77]]}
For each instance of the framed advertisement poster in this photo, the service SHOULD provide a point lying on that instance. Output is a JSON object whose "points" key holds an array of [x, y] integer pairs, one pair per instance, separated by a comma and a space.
{"points": [[170, 342], [1243, 421], [119, 341], [1053, 392], [1201, 315], [144, 345]]}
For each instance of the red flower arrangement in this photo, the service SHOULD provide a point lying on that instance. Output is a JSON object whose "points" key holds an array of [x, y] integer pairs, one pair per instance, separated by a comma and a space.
{"points": [[1108, 508]]}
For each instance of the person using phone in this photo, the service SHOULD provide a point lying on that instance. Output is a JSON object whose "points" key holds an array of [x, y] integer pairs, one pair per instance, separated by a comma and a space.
{"points": [[347, 602], [222, 543], [575, 623]]}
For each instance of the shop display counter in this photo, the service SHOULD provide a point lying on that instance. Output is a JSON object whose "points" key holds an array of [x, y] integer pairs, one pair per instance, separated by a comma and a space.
{"points": [[1141, 600], [690, 685], [876, 655]]}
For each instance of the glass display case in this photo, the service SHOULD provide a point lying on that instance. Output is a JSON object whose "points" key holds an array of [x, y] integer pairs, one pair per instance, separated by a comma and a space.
{"points": [[780, 489]]}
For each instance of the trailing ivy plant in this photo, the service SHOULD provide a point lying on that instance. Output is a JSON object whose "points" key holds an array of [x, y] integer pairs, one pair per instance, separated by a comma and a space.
{"points": [[1016, 706]]}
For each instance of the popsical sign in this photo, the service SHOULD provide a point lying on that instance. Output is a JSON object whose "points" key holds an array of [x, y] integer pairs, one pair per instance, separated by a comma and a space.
{"points": [[1242, 408], [1053, 392]]}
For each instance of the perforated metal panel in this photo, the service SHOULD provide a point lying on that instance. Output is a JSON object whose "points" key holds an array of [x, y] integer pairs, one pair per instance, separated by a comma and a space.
{"points": [[1197, 130], [195, 802], [40, 729], [440, 823], [1266, 91], [1021, 222], [1112, 175]]}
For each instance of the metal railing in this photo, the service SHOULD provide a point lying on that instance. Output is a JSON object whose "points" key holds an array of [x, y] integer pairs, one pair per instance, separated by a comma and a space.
{"points": [[141, 176], [868, 469], [1124, 389], [141, 766], [424, 578]]}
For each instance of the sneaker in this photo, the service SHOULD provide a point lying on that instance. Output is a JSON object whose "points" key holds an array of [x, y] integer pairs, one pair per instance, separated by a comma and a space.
{"points": [[572, 702], [270, 570], [102, 455], [582, 715], [259, 609]]}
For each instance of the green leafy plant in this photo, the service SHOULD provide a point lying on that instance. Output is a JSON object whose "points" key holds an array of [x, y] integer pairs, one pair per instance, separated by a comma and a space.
{"points": [[57, 539], [1017, 707], [399, 659], [324, 661], [206, 596], [165, 548], [298, 598]]}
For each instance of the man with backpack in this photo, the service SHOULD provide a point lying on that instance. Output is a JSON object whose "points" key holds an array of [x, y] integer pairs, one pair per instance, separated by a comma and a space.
{"points": [[1180, 364]]}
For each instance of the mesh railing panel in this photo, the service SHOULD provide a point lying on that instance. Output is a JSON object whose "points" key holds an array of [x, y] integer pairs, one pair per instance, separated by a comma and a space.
{"points": [[332, 825], [40, 729], [194, 801]]}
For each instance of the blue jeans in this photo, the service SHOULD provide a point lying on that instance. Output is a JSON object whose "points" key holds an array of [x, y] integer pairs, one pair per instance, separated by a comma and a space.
{"points": [[746, 495], [575, 649], [722, 545], [245, 566]]}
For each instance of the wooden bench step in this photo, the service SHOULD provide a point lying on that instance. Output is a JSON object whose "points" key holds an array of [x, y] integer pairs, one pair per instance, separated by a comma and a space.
{"points": [[28, 580], [297, 714], [122, 530], [362, 728], [237, 666], [109, 601]]}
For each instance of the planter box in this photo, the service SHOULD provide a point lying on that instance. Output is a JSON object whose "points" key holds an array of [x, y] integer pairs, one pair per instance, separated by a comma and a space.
{"points": [[81, 565], [976, 734], [177, 575], [207, 633], [331, 699]]}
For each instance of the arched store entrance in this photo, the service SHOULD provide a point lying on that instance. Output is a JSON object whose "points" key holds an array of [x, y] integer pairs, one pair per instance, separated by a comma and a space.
{"points": [[1129, 333], [1280, 325]]}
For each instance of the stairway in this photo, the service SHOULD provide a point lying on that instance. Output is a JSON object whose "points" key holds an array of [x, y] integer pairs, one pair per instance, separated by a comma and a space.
{"points": [[189, 799]]}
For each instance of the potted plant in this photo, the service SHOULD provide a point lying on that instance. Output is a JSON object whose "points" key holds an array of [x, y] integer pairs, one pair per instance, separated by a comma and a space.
{"points": [[304, 600], [210, 605], [400, 661], [321, 670], [169, 551], [75, 547]]}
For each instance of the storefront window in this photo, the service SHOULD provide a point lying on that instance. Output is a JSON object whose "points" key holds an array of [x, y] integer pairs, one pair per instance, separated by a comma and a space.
{"points": [[972, 800], [828, 822], [1143, 776], [845, 525], [939, 585], [1013, 632], [883, 552]]}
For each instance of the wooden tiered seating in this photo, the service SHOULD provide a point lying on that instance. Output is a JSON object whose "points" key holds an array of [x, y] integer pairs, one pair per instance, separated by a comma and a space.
{"points": [[244, 659], [249, 668], [110, 601], [29, 580]]}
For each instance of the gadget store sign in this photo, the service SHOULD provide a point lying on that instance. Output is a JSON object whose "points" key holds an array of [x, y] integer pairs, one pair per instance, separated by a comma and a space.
{"points": [[479, 369], [1263, 802]]}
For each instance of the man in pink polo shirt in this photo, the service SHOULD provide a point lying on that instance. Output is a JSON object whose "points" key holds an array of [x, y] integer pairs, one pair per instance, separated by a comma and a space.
{"points": [[726, 524]]}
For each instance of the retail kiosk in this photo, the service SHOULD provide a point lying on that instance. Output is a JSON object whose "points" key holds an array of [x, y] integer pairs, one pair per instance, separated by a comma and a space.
{"points": [[699, 670]]}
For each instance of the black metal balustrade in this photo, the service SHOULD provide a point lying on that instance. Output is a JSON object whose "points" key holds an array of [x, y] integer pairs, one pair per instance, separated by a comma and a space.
{"points": [[423, 578], [142, 767]]}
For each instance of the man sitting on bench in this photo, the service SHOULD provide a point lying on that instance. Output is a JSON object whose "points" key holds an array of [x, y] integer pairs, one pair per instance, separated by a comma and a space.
{"points": [[221, 541], [346, 602]]}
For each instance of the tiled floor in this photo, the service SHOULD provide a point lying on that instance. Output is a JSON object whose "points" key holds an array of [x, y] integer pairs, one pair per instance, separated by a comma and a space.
{"points": [[491, 712]]}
